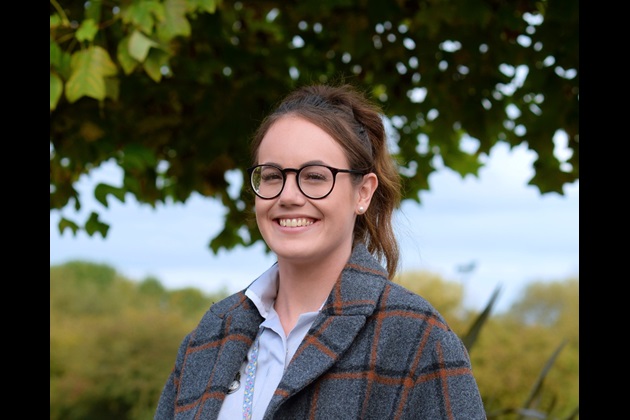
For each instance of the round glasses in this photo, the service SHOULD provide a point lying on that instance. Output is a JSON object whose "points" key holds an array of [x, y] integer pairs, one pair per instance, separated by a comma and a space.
{"points": [[314, 181]]}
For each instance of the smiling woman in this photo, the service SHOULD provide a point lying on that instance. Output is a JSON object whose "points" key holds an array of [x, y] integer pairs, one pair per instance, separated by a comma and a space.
{"points": [[323, 322], [331, 208]]}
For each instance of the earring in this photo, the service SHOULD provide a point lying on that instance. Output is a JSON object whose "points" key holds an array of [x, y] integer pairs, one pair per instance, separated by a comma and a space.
{"points": [[361, 210]]}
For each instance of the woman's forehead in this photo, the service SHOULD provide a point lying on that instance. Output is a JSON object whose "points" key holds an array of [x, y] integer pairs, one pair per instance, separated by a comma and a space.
{"points": [[298, 140]]}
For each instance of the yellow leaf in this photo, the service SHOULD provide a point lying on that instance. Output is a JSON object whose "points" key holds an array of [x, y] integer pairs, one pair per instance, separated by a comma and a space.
{"points": [[139, 45], [89, 69]]}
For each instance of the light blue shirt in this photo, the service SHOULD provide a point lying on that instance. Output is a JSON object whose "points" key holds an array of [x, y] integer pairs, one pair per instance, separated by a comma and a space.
{"points": [[275, 349]]}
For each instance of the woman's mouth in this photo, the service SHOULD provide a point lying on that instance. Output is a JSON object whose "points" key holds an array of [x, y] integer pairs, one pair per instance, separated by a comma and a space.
{"points": [[300, 222]]}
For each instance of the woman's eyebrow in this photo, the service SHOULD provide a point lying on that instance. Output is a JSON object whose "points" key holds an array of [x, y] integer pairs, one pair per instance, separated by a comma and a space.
{"points": [[310, 162]]}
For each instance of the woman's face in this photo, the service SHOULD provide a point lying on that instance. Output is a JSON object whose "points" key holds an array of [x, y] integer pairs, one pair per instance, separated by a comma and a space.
{"points": [[294, 226]]}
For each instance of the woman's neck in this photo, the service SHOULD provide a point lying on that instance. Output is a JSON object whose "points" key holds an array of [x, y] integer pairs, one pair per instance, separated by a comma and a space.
{"points": [[304, 288]]}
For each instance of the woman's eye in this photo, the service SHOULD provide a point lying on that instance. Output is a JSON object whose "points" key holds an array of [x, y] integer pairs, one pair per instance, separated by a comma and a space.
{"points": [[314, 176], [271, 177]]}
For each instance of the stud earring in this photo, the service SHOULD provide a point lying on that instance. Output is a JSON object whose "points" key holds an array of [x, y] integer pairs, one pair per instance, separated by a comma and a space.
{"points": [[361, 210]]}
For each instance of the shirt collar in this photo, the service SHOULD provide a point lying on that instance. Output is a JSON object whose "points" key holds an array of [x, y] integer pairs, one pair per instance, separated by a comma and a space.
{"points": [[263, 290]]}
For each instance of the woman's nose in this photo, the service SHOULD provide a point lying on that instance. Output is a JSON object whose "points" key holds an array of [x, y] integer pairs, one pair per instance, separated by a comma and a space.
{"points": [[291, 190]]}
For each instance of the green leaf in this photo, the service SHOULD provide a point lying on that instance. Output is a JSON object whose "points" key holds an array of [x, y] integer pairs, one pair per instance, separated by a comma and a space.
{"points": [[101, 191], [462, 163], [131, 183], [473, 333], [89, 67], [56, 88], [112, 88], [153, 64], [59, 60], [87, 31], [55, 54], [55, 21], [94, 225], [139, 157], [227, 239], [538, 385], [67, 224], [143, 15], [209, 6], [175, 22]]}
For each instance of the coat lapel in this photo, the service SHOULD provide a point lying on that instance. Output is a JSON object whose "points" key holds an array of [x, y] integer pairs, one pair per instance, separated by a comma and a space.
{"points": [[216, 352], [351, 302]]}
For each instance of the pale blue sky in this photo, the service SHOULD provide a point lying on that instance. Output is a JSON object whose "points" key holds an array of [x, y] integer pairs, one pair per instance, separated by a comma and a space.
{"points": [[512, 233]]}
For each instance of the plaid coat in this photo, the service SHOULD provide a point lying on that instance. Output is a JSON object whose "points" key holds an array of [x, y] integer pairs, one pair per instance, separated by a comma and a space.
{"points": [[375, 351]]}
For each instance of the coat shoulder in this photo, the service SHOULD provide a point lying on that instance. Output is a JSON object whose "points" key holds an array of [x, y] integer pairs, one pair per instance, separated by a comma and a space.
{"points": [[399, 296], [227, 316]]}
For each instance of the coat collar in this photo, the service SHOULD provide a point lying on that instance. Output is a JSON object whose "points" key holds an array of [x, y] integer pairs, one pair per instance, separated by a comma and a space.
{"points": [[353, 299], [355, 293]]}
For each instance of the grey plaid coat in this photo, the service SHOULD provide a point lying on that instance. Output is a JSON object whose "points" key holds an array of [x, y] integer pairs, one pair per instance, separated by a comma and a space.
{"points": [[375, 351]]}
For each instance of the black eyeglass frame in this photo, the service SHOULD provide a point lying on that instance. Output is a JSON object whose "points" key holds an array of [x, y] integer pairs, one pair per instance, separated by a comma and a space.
{"points": [[297, 171]]}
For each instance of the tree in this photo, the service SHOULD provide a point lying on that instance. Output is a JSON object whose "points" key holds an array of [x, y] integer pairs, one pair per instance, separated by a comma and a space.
{"points": [[113, 340], [171, 90], [446, 296]]}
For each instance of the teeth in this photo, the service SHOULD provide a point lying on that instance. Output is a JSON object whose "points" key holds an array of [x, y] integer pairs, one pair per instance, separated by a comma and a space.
{"points": [[295, 222]]}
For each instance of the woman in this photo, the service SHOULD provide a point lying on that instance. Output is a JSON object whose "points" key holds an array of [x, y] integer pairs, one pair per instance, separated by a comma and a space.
{"points": [[324, 333]]}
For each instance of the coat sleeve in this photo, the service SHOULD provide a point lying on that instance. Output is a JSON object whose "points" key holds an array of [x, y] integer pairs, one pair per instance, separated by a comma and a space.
{"points": [[166, 404], [445, 387]]}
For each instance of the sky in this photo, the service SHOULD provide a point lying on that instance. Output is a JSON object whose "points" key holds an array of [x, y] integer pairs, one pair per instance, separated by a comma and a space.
{"points": [[506, 230]]}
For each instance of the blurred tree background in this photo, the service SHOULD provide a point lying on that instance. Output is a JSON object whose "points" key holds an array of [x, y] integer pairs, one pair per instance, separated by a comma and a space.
{"points": [[113, 342], [171, 90]]}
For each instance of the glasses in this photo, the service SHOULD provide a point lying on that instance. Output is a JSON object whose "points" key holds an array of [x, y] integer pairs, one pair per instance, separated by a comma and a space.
{"points": [[314, 181]]}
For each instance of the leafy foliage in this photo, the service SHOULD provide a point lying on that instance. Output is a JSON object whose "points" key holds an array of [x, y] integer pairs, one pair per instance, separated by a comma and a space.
{"points": [[446, 296], [113, 341], [171, 90], [526, 348]]}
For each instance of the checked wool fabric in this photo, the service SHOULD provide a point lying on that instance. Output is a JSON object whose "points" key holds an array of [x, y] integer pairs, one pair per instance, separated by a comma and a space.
{"points": [[375, 351]]}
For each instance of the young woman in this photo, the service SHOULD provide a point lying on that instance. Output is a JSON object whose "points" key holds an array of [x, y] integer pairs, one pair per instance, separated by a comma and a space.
{"points": [[324, 333]]}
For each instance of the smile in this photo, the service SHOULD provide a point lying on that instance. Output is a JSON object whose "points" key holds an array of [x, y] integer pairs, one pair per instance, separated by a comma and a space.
{"points": [[295, 222]]}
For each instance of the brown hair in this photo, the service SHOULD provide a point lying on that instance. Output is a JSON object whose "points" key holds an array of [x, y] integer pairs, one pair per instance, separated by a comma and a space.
{"points": [[355, 122]]}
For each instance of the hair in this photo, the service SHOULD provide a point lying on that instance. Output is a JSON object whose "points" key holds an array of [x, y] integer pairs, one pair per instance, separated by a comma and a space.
{"points": [[356, 123]]}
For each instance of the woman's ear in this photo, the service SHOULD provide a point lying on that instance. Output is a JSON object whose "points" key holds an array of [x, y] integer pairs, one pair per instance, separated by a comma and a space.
{"points": [[366, 191]]}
